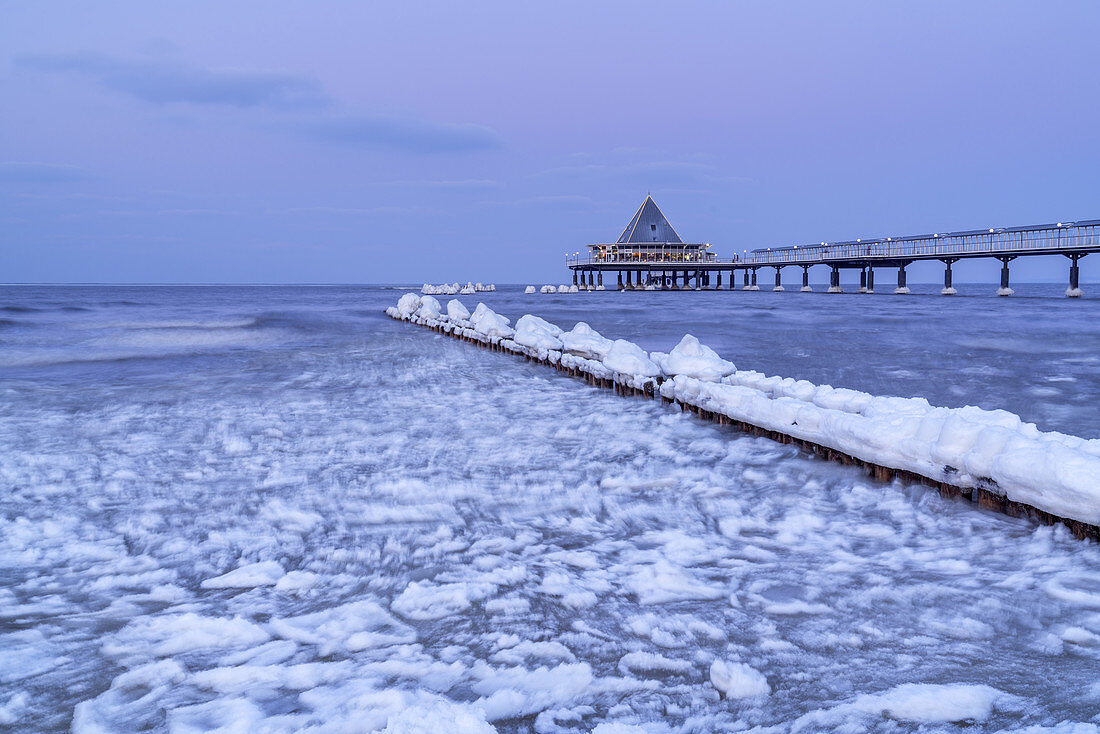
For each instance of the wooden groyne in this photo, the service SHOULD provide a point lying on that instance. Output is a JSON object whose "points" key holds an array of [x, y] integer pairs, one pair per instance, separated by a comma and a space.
{"points": [[984, 498]]}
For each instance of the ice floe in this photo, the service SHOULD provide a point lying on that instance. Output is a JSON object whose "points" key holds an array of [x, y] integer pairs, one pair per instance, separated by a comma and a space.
{"points": [[262, 573], [737, 680]]}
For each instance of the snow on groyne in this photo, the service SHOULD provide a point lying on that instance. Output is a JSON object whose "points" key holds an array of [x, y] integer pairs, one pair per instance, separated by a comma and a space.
{"points": [[991, 457]]}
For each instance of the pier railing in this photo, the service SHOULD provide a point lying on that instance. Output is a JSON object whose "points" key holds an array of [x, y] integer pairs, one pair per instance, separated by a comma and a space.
{"points": [[1037, 239]]}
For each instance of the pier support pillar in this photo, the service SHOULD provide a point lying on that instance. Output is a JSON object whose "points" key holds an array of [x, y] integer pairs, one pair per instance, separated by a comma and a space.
{"points": [[806, 279], [834, 281], [599, 280], [619, 286], [1005, 289], [778, 280], [1074, 290], [718, 284], [574, 276], [591, 280], [745, 279], [902, 289], [870, 279], [948, 287], [863, 280], [753, 286]]}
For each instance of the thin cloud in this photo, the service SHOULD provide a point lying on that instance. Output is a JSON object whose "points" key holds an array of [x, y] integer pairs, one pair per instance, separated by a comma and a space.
{"points": [[408, 134], [159, 82], [32, 172], [656, 173], [469, 183], [356, 211], [566, 199]]}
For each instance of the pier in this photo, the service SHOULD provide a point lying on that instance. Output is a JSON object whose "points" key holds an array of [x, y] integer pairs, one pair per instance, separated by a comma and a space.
{"points": [[650, 254]]}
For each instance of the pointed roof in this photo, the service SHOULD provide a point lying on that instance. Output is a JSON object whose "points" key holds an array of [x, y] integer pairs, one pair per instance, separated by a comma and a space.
{"points": [[649, 225]]}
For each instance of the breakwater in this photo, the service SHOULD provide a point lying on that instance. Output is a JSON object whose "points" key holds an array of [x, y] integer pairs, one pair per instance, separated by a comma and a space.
{"points": [[992, 458]]}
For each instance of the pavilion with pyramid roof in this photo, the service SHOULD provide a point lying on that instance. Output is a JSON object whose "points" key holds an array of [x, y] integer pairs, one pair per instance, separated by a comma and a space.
{"points": [[649, 242]]}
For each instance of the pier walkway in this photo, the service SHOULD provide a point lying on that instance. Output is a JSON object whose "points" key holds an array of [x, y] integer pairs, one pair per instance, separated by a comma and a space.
{"points": [[677, 270]]}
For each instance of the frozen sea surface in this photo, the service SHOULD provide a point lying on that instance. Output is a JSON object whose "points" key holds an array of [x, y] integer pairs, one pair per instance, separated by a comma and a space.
{"points": [[278, 510]]}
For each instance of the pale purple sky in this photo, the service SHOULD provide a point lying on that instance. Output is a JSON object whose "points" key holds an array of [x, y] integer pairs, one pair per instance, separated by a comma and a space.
{"points": [[410, 142]]}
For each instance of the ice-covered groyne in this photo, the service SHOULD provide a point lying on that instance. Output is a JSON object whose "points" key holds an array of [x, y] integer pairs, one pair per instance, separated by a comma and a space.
{"points": [[991, 457], [450, 289], [553, 289]]}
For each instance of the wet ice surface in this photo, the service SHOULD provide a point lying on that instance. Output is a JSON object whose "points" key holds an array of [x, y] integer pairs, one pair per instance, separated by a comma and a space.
{"points": [[278, 508]]}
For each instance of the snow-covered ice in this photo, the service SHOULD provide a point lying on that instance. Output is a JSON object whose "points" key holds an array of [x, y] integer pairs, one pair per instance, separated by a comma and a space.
{"points": [[456, 311], [405, 533], [693, 359], [628, 358], [584, 341], [531, 331]]}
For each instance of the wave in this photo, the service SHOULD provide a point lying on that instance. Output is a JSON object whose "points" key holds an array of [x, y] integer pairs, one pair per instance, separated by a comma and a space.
{"points": [[201, 325], [184, 337], [154, 343]]}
